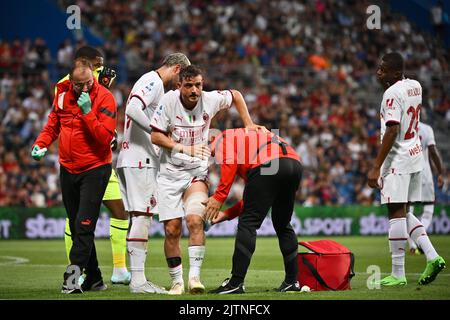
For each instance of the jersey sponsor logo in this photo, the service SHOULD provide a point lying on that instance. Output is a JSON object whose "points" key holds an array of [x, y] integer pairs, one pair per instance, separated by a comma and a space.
{"points": [[205, 117], [179, 118], [125, 145], [188, 136]]}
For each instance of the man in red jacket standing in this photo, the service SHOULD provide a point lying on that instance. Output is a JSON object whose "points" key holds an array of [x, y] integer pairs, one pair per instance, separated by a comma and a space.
{"points": [[84, 120], [272, 172]]}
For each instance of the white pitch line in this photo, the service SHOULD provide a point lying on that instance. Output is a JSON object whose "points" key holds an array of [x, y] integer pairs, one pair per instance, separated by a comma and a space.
{"points": [[209, 270], [13, 260]]}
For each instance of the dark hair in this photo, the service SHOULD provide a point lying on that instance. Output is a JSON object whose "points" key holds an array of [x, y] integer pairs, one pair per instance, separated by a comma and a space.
{"points": [[88, 53], [190, 72], [394, 60], [79, 63]]}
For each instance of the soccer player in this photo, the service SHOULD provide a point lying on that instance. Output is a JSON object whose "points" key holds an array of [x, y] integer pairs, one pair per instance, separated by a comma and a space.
{"points": [[112, 198], [272, 172], [396, 170], [138, 164], [180, 126], [84, 119], [430, 150]]}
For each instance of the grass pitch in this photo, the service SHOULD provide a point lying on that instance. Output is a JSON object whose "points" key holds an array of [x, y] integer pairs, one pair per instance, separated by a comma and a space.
{"points": [[33, 269]]}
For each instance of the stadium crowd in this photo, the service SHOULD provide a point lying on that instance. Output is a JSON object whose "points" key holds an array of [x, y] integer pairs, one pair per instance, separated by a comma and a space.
{"points": [[306, 68]]}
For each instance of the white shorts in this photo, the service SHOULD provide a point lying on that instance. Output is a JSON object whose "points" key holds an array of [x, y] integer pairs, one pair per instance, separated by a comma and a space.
{"points": [[171, 188], [401, 188], [138, 188], [427, 190]]}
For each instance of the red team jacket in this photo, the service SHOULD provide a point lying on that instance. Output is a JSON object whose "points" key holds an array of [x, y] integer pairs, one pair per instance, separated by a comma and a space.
{"points": [[237, 152], [84, 140]]}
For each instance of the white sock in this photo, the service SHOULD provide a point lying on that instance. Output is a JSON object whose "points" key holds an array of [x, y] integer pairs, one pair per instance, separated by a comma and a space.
{"points": [[427, 215], [411, 209], [419, 235], [411, 243], [137, 248], [397, 242], [196, 254], [176, 274]]}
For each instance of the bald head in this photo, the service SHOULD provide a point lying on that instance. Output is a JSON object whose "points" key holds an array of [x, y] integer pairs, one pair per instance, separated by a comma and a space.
{"points": [[81, 76]]}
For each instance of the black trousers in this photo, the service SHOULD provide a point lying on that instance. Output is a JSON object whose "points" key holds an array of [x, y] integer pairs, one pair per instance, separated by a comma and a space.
{"points": [[82, 196], [262, 192]]}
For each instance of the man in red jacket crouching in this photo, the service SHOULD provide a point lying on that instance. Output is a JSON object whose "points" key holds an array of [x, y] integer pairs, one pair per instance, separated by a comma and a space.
{"points": [[84, 119], [272, 172]]}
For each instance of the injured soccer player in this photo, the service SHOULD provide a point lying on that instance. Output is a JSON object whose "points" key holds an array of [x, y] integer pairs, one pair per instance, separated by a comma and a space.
{"points": [[180, 126]]}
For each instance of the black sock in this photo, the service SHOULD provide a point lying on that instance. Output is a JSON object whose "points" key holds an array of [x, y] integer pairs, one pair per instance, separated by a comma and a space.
{"points": [[173, 262]]}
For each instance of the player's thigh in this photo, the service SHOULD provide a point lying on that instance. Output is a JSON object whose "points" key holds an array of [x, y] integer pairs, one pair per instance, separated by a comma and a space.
{"points": [[170, 195], [139, 189], [112, 191], [394, 188]]}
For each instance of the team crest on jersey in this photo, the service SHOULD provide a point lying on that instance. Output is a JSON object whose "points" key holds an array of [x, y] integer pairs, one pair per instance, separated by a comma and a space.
{"points": [[205, 117], [153, 201]]}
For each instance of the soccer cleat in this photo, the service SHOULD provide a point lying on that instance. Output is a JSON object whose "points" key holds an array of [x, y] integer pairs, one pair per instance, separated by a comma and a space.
{"points": [[93, 285], [432, 270], [72, 287], [195, 286], [289, 287], [65, 289], [93, 281], [391, 281], [227, 288], [177, 288], [123, 278], [148, 287]]}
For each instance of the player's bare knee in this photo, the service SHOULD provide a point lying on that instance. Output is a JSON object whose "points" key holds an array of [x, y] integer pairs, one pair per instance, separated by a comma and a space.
{"points": [[172, 231], [194, 223]]}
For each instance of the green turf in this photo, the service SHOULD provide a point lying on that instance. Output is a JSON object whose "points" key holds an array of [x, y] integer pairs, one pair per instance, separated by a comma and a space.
{"points": [[40, 275]]}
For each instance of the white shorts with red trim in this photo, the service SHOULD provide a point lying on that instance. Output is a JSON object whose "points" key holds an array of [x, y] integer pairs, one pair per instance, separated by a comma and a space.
{"points": [[138, 188], [401, 188], [427, 190], [171, 188]]}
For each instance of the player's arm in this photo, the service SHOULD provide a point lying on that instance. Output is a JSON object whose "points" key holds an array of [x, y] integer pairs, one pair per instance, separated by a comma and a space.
{"points": [[135, 111], [392, 129], [214, 203], [242, 109], [437, 161], [162, 139]]}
